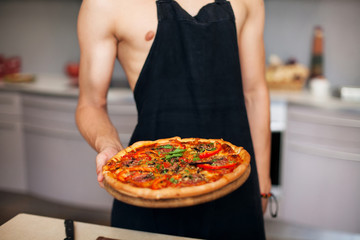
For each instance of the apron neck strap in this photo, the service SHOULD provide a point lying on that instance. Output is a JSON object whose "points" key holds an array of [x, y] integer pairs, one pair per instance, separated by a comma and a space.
{"points": [[219, 1]]}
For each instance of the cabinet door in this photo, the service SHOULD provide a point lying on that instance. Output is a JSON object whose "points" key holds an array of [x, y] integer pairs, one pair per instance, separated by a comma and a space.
{"points": [[124, 118], [320, 178], [12, 161], [61, 165]]}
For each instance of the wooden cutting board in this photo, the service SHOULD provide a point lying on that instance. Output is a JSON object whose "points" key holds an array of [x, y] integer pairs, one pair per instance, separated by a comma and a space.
{"points": [[179, 202]]}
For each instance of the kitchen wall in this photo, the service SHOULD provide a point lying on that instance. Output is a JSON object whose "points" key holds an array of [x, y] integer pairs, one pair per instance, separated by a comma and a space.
{"points": [[43, 33], [288, 33]]}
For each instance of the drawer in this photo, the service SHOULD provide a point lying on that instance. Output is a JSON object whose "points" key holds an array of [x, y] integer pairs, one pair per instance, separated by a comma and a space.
{"points": [[329, 134], [10, 103], [324, 125]]}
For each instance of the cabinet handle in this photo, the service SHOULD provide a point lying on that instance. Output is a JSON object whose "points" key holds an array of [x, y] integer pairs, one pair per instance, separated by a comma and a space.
{"points": [[63, 107], [326, 153], [6, 101], [7, 126], [334, 121], [66, 134]]}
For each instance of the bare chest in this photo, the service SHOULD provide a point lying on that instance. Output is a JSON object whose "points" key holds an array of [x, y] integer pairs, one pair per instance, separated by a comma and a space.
{"points": [[136, 27], [137, 18]]}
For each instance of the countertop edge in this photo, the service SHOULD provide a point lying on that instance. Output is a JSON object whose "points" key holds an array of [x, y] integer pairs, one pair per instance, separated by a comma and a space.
{"points": [[59, 86]]}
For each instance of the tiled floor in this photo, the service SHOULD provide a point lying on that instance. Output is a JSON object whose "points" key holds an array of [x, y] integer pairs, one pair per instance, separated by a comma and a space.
{"points": [[13, 203]]}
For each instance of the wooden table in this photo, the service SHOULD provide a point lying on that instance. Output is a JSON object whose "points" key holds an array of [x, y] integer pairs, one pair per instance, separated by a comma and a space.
{"points": [[26, 226]]}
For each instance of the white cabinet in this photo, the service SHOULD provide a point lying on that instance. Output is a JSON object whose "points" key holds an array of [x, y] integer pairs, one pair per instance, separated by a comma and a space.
{"points": [[61, 165], [124, 118], [320, 173], [43, 153], [12, 161]]}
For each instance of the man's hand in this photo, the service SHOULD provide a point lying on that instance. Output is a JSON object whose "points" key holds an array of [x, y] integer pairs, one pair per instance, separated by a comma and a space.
{"points": [[101, 159]]}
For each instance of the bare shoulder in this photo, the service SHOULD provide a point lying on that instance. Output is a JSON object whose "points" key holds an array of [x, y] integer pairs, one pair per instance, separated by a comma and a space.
{"points": [[99, 8], [104, 16], [240, 10], [94, 14], [249, 4], [247, 11], [246, 7]]}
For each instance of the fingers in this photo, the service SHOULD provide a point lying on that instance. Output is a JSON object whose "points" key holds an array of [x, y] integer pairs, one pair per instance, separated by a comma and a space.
{"points": [[101, 159], [100, 179]]}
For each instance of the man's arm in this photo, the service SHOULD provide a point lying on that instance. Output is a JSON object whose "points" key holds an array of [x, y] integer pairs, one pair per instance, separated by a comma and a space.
{"points": [[252, 58], [97, 56]]}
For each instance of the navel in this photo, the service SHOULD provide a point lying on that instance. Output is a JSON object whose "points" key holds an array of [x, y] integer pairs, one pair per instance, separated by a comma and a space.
{"points": [[149, 35]]}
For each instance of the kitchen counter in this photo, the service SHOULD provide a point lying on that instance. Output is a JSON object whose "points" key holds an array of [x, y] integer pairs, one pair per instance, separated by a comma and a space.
{"points": [[59, 85], [26, 226], [305, 98]]}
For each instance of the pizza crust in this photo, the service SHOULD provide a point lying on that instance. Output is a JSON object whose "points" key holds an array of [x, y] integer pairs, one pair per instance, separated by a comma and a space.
{"points": [[174, 193], [180, 202]]}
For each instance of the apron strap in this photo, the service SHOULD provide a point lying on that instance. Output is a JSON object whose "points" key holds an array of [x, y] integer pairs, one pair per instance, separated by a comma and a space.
{"points": [[219, 1]]}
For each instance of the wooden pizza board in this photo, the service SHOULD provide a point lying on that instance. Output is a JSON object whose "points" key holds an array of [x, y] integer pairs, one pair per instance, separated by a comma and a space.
{"points": [[179, 202]]}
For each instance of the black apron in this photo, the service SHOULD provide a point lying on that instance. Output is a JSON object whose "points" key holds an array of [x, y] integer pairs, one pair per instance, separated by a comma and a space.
{"points": [[191, 86]]}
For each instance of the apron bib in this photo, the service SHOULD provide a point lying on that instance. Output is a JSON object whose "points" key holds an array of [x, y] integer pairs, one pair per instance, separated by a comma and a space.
{"points": [[191, 86]]}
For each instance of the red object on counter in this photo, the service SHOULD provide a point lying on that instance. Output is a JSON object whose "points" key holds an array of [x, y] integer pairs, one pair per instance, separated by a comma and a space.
{"points": [[2, 67], [12, 65], [72, 69]]}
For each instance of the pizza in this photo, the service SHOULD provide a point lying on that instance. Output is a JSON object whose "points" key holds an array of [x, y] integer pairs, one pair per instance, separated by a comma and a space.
{"points": [[175, 168]]}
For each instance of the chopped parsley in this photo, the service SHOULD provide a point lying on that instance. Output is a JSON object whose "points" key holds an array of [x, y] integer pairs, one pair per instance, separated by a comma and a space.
{"points": [[175, 153], [167, 146], [173, 180]]}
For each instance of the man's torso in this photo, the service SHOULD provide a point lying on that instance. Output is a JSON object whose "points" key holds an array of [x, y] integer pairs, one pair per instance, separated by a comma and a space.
{"points": [[136, 22]]}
